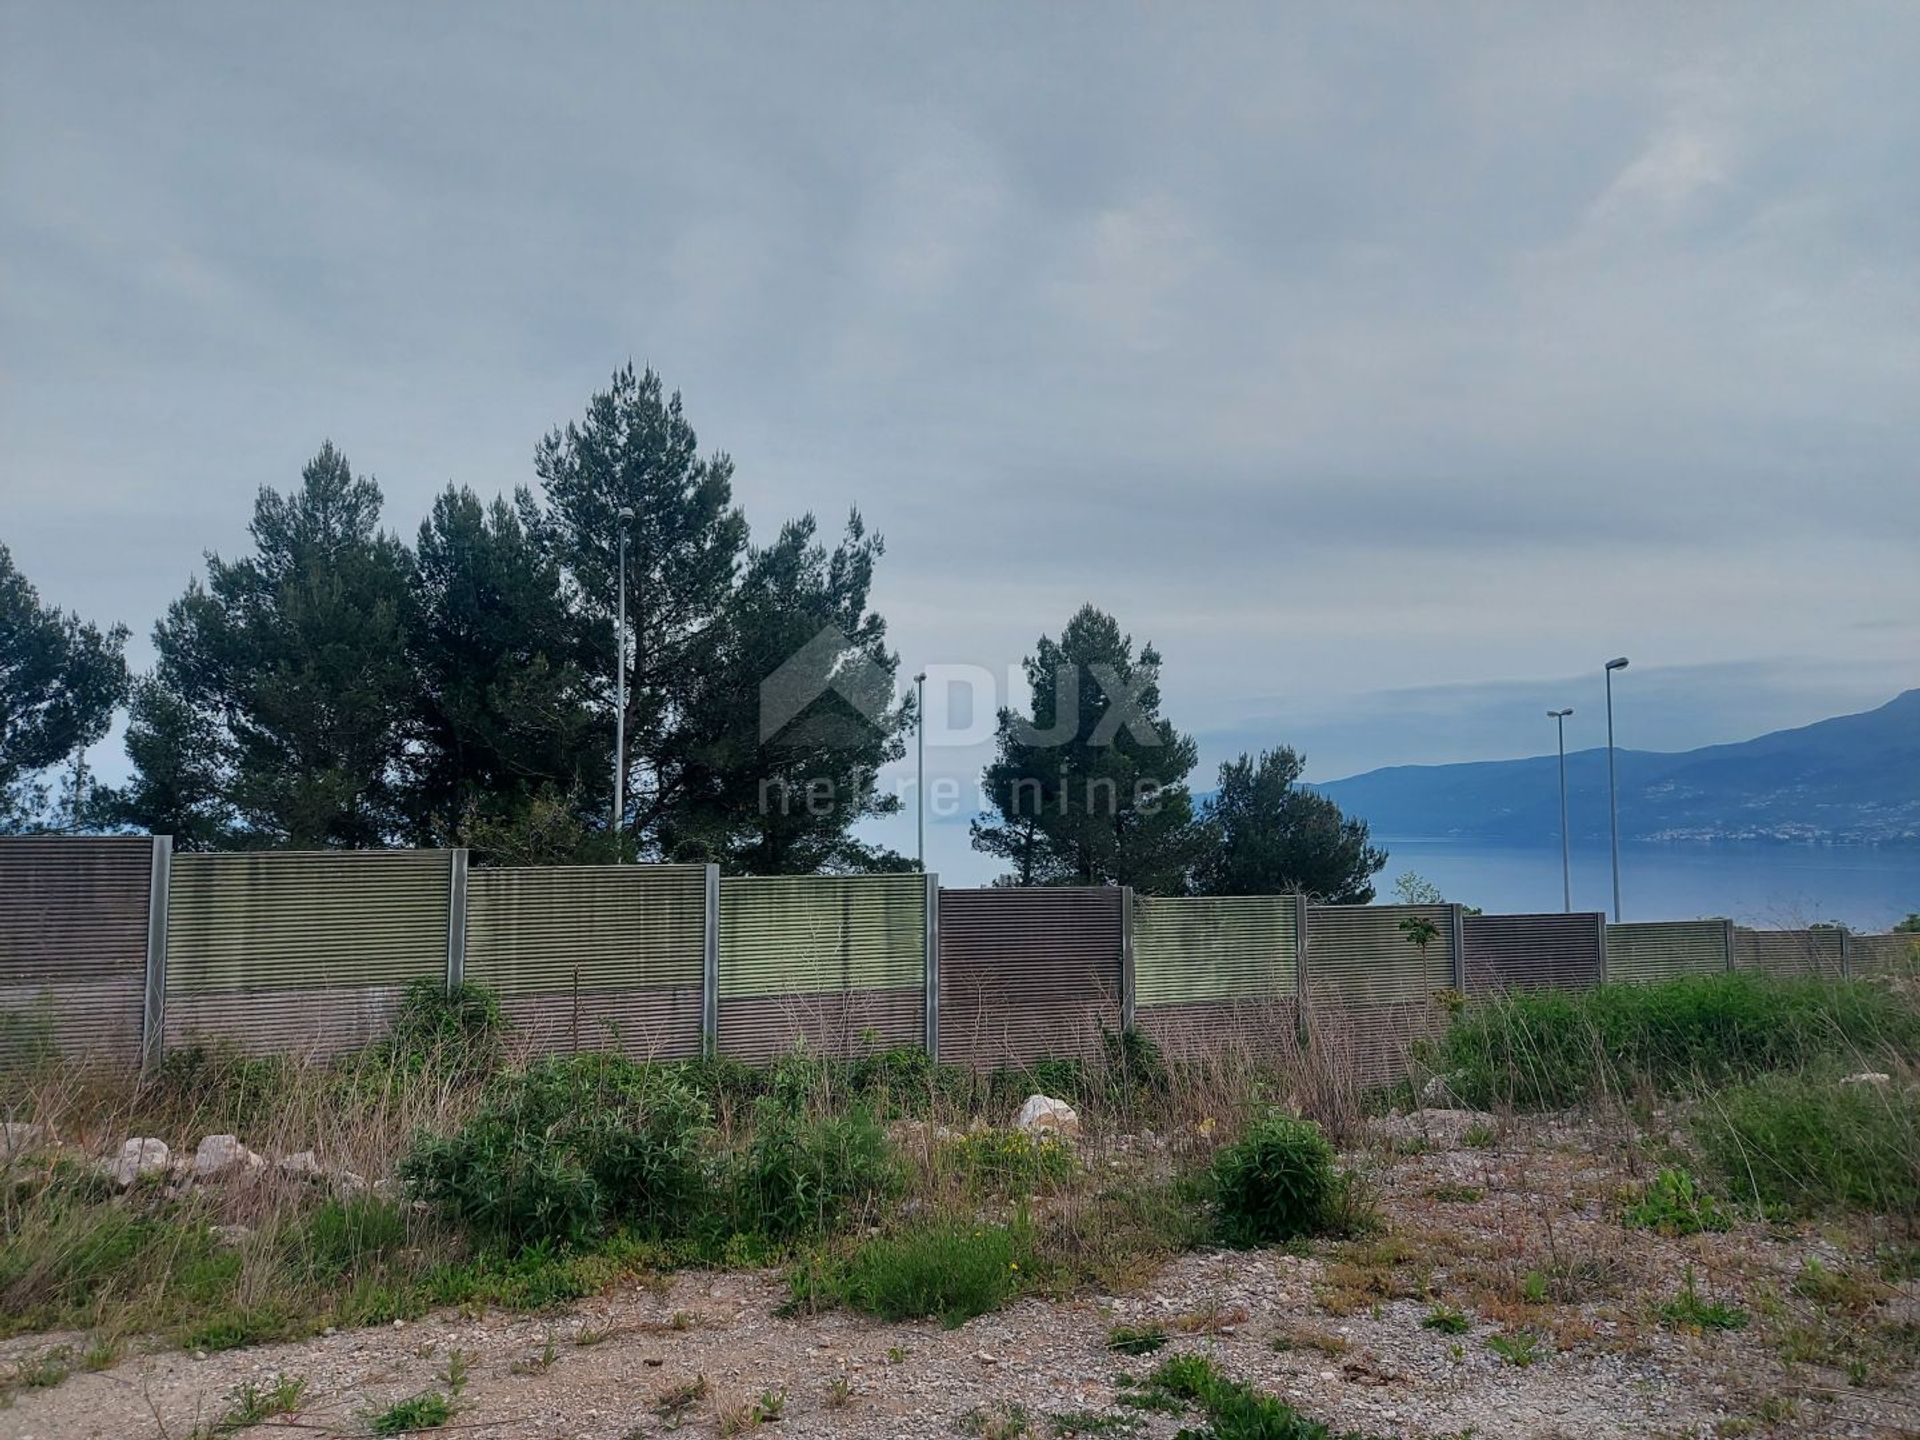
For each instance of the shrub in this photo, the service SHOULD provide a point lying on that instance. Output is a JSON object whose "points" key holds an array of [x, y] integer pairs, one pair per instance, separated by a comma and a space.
{"points": [[1276, 1182], [568, 1149], [1544, 1049], [803, 1173], [1810, 1144], [1674, 1204], [459, 1029], [942, 1269]]}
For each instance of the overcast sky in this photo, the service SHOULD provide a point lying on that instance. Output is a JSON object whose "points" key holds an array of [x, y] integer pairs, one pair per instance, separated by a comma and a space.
{"points": [[1388, 367]]}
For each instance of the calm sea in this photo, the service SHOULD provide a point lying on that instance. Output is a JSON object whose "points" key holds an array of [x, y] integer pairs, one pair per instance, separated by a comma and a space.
{"points": [[1768, 886]]}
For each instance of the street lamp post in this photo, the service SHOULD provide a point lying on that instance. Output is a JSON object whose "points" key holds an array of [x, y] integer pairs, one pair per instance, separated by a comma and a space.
{"points": [[920, 769], [1559, 718], [1613, 788], [620, 691]]}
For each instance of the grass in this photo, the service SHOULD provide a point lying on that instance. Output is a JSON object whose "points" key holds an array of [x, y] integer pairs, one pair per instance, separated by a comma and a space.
{"points": [[945, 1270], [1674, 1203], [1233, 1410], [1809, 1143], [1688, 1310], [1547, 1049], [428, 1410], [1517, 1347], [1446, 1320], [1137, 1340]]}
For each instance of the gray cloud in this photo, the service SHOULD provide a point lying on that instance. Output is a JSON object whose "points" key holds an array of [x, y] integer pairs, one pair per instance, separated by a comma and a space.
{"points": [[1339, 350]]}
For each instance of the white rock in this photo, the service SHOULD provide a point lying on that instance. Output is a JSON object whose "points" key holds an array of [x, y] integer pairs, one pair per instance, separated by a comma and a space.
{"points": [[304, 1164], [1868, 1077], [346, 1184], [18, 1137], [1042, 1113], [136, 1158], [230, 1234], [222, 1155]]}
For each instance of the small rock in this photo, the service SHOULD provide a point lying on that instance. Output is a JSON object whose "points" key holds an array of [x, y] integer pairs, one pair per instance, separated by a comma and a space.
{"points": [[18, 1137], [136, 1158], [346, 1184], [1042, 1113], [222, 1155], [303, 1163], [229, 1234], [1868, 1077]]}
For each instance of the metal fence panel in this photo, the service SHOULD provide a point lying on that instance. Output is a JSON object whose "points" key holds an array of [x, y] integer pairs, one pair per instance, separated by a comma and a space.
{"points": [[1646, 952], [1370, 989], [1238, 947], [300, 950], [1890, 954], [837, 961], [73, 944], [1798, 953], [1506, 952], [593, 957], [1028, 974]]}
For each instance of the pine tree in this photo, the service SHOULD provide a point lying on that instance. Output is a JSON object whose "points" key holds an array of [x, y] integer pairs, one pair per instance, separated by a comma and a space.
{"points": [[275, 714], [60, 682], [1090, 788], [1267, 836]]}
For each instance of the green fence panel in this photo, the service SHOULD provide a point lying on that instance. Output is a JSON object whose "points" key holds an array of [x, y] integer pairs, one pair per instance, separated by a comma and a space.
{"points": [[287, 950], [837, 961], [1359, 955], [598, 956], [1790, 953], [1646, 952], [1219, 948]]}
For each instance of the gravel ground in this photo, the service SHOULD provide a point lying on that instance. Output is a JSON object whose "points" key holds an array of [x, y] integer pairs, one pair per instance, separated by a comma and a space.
{"points": [[1358, 1358]]}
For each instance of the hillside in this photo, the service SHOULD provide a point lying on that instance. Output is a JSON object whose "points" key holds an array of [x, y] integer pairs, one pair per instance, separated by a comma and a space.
{"points": [[1850, 779]]}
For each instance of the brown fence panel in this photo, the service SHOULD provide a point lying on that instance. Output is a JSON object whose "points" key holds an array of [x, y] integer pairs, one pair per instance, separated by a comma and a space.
{"points": [[73, 944], [1027, 974], [1891, 954], [1552, 951], [1791, 953]]}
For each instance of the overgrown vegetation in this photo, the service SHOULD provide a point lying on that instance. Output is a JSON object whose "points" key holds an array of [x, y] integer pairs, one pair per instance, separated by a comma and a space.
{"points": [[1232, 1409], [1811, 1143], [1543, 1049]]}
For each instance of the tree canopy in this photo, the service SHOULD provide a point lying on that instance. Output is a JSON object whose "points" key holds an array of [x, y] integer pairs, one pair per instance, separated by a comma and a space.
{"points": [[1266, 835], [61, 680]]}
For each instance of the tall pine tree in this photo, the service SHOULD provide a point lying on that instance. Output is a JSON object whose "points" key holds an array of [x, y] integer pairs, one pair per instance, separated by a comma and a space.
{"points": [[504, 708], [276, 712], [1265, 835]]}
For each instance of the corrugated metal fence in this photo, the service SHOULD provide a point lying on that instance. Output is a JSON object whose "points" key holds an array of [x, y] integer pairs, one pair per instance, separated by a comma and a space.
{"points": [[73, 943], [107, 944], [307, 951], [1028, 974], [839, 962], [595, 957]]}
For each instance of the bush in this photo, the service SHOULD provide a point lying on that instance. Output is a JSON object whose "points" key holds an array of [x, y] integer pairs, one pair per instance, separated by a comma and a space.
{"points": [[1277, 1182], [1546, 1049], [1812, 1144], [459, 1029], [807, 1174], [568, 1150], [1234, 1411], [943, 1270]]}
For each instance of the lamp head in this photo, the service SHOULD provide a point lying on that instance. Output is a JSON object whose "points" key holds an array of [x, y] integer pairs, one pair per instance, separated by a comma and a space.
{"points": [[1559, 714], [1617, 664], [626, 514], [921, 678]]}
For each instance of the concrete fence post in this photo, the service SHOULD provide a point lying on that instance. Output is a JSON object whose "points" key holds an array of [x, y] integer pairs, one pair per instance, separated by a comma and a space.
{"points": [[1457, 925], [457, 922], [1126, 957], [930, 950], [710, 969], [153, 1013]]}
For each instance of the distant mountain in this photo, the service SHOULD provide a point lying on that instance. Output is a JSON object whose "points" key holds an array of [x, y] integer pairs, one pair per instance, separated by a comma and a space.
{"points": [[1851, 779]]}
